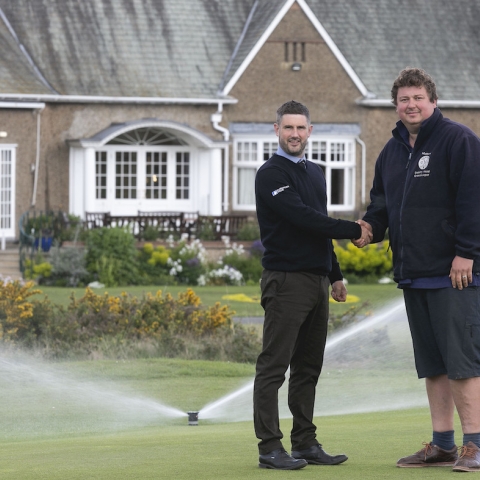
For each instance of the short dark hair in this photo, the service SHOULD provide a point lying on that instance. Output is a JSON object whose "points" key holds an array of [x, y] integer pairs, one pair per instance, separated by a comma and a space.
{"points": [[292, 108], [414, 77]]}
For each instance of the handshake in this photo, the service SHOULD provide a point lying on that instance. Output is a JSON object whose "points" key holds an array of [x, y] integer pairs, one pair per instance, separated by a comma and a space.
{"points": [[367, 235]]}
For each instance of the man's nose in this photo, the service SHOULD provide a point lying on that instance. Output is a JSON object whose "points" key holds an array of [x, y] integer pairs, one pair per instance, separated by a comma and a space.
{"points": [[411, 103]]}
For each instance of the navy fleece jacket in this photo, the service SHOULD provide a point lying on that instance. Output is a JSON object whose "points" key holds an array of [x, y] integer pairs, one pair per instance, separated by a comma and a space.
{"points": [[295, 228], [428, 198]]}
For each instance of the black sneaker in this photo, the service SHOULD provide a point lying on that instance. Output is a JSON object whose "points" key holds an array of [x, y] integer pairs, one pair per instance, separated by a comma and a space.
{"points": [[280, 460], [315, 455]]}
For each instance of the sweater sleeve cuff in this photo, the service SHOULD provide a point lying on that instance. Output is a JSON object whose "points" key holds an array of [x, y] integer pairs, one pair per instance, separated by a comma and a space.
{"points": [[336, 274]]}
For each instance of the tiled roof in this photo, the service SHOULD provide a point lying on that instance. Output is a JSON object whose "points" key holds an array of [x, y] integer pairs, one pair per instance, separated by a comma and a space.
{"points": [[192, 48], [380, 37], [16, 73], [149, 48]]}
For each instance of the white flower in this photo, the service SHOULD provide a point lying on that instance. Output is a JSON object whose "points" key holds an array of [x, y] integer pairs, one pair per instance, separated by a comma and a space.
{"points": [[230, 274]]}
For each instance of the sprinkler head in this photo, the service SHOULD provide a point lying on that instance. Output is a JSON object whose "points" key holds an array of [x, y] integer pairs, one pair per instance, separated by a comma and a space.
{"points": [[192, 418]]}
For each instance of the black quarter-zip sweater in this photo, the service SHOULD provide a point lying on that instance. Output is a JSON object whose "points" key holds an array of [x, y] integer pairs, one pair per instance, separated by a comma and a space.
{"points": [[292, 213], [428, 198]]}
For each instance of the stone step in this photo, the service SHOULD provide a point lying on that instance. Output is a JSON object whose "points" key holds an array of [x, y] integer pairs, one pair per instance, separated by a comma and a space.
{"points": [[10, 263]]}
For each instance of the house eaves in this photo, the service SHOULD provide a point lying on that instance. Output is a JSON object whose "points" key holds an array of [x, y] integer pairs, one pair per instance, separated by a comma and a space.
{"points": [[322, 32], [26, 105], [383, 102], [18, 98]]}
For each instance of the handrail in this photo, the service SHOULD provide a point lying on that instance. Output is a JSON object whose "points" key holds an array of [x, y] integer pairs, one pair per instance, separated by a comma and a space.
{"points": [[27, 242]]}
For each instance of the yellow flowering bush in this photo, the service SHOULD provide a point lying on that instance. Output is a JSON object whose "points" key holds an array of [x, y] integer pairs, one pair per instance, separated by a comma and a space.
{"points": [[159, 256], [16, 311], [374, 259], [101, 324], [153, 264], [37, 270]]}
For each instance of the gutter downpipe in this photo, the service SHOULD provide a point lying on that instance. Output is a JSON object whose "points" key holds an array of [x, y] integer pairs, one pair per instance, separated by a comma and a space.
{"points": [[37, 160], [216, 118], [364, 168]]}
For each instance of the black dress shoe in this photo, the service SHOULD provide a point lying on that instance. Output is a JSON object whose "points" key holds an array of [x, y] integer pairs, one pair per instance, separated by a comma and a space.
{"points": [[317, 456], [280, 460]]}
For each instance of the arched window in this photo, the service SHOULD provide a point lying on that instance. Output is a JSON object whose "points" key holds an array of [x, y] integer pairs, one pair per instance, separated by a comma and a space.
{"points": [[148, 163], [147, 136]]}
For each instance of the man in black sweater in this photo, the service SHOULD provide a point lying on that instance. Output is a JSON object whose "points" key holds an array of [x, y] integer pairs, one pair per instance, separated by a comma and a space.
{"points": [[299, 264]]}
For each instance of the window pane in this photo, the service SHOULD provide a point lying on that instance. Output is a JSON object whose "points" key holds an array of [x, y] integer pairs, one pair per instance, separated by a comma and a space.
{"points": [[337, 152], [182, 182], [246, 186], [155, 181], [337, 187], [247, 151], [269, 148], [100, 174], [126, 174], [6, 185], [318, 151]]}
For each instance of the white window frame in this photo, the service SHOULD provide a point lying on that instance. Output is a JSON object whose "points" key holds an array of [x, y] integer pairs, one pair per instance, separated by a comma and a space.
{"points": [[129, 206], [330, 163], [7, 190]]}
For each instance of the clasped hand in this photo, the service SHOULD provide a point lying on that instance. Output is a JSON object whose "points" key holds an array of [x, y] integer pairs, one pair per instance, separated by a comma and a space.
{"points": [[367, 235]]}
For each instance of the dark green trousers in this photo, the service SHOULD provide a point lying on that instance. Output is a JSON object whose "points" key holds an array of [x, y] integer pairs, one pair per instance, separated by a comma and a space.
{"points": [[294, 335]]}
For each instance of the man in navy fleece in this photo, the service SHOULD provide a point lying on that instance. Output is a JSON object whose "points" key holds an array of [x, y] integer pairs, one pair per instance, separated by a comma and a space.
{"points": [[426, 191], [299, 265]]}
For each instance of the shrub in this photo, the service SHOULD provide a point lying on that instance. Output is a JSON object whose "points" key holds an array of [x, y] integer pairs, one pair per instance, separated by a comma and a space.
{"points": [[187, 262], [102, 325], [15, 309], [111, 256], [249, 232], [248, 264], [150, 233], [374, 259], [68, 267], [70, 229], [206, 229], [153, 265], [339, 321]]}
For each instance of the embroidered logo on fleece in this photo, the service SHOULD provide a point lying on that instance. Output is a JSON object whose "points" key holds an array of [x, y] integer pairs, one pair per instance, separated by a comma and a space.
{"points": [[422, 165], [279, 190]]}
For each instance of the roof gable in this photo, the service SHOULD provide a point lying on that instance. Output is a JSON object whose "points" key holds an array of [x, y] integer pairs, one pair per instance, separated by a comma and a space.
{"points": [[254, 38]]}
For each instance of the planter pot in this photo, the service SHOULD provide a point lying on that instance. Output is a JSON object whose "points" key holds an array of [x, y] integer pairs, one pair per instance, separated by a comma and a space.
{"points": [[45, 243]]}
